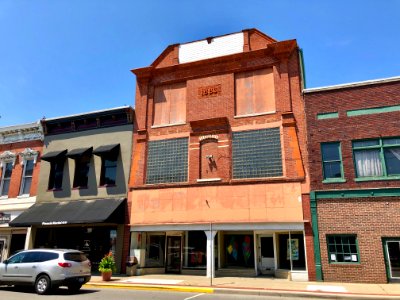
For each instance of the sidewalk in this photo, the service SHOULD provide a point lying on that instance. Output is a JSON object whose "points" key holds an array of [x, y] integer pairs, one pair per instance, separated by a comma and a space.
{"points": [[254, 286]]}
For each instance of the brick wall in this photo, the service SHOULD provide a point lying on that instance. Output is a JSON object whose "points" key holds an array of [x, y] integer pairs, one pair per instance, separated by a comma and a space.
{"points": [[16, 176], [345, 129], [370, 219]]}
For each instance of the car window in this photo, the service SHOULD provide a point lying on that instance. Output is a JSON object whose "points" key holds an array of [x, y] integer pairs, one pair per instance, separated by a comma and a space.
{"points": [[31, 257], [16, 258], [75, 256], [45, 256]]}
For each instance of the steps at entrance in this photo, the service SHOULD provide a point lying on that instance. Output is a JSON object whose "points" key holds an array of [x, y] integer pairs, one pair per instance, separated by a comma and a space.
{"points": [[239, 272]]}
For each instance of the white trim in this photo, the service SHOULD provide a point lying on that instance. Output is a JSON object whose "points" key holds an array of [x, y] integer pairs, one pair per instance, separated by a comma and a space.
{"points": [[209, 179], [255, 115], [87, 113], [352, 84], [167, 125], [298, 226]]}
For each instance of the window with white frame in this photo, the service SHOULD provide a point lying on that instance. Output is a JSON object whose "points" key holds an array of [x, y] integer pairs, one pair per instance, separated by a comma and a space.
{"points": [[27, 177], [7, 161], [6, 178]]}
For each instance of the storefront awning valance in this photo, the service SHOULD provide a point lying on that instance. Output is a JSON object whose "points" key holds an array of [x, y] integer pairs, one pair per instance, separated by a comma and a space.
{"points": [[54, 155], [72, 212], [79, 152], [106, 149]]}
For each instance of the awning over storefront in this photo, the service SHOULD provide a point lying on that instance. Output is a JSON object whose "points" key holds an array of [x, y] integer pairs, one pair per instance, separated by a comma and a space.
{"points": [[106, 149], [50, 156], [72, 212], [79, 152]]}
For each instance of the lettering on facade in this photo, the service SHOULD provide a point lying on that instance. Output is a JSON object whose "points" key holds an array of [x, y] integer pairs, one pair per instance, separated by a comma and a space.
{"points": [[209, 91], [55, 223], [4, 218]]}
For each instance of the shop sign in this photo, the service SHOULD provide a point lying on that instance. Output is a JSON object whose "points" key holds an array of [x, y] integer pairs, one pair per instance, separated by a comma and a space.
{"points": [[4, 218], [54, 223]]}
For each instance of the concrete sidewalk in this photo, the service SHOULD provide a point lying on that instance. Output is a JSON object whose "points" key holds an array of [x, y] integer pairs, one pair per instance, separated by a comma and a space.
{"points": [[254, 286]]}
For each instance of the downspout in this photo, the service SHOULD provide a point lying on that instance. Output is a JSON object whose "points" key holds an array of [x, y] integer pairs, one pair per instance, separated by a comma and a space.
{"points": [[302, 69], [317, 251]]}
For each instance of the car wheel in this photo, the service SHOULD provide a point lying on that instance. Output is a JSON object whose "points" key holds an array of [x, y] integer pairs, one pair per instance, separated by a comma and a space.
{"points": [[42, 284], [74, 288]]}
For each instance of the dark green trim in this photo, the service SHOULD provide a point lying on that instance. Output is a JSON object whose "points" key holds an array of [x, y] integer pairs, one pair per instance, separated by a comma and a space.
{"points": [[314, 224], [343, 262], [333, 180], [302, 68], [376, 178], [335, 194], [374, 110], [330, 115]]}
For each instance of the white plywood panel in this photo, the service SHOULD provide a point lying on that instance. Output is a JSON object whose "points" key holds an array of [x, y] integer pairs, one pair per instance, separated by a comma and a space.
{"points": [[219, 46]]}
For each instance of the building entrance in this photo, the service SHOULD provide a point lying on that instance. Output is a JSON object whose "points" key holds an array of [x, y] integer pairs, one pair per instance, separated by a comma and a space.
{"points": [[174, 250], [392, 253], [266, 254]]}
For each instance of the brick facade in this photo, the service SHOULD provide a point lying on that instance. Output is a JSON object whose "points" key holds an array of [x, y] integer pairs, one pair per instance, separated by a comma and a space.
{"points": [[372, 218]]}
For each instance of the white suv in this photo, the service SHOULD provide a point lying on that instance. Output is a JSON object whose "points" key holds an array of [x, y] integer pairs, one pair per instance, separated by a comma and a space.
{"points": [[46, 269]]}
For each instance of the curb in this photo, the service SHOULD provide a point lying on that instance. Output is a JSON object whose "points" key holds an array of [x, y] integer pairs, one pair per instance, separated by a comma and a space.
{"points": [[245, 291]]}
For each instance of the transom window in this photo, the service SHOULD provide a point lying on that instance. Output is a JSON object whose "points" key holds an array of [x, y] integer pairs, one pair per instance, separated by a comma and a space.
{"points": [[377, 157], [27, 177], [331, 161], [6, 178], [342, 249], [170, 104], [254, 92], [257, 153], [167, 161]]}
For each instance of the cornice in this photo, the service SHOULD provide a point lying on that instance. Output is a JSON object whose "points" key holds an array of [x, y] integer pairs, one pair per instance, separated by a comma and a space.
{"points": [[21, 133]]}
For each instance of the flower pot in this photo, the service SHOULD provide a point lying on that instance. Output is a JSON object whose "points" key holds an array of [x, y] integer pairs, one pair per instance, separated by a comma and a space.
{"points": [[106, 276]]}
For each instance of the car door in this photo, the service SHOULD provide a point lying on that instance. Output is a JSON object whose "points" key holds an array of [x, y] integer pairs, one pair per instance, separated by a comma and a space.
{"points": [[10, 268], [29, 266]]}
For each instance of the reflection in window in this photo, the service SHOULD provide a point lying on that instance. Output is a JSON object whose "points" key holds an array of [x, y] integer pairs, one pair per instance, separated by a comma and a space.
{"points": [[195, 250], [27, 177], [6, 178], [155, 250]]}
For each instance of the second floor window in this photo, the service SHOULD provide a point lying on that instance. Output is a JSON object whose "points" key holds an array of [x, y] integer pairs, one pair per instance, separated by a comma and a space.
{"points": [[27, 177], [257, 153], [254, 92], [56, 174], [331, 161], [377, 157], [108, 169], [170, 104], [6, 178], [167, 161]]}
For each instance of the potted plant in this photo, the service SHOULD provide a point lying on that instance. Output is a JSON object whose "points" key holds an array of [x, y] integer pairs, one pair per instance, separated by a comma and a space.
{"points": [[107, 266]]}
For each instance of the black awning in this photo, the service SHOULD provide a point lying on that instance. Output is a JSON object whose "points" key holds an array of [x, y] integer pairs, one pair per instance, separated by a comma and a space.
{"points": [[55, 155], [106, 149], [72, 212], [79, 152]]}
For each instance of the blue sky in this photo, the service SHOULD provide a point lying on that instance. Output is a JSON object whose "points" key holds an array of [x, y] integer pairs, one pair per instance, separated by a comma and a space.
{"points": [[61, 57]]}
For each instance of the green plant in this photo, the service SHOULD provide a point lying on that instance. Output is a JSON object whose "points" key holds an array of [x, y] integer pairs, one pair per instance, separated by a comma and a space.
{"points": [[107, 263]]}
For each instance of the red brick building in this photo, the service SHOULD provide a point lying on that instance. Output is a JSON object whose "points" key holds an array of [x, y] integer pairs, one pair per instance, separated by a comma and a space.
{"points": [[219, 164], [354, 156], [20, 148]]}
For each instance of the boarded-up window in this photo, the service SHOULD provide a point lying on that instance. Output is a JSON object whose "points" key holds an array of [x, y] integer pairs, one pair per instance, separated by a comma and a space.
{"points": [[255, 92], [170, 104]]}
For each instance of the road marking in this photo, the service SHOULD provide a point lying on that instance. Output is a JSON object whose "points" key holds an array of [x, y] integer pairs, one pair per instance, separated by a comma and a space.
{"points": [[193, 296]]}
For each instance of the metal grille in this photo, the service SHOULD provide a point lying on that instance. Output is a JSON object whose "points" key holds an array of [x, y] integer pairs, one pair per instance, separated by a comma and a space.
{"points": [[167, 161], [257, 153]]}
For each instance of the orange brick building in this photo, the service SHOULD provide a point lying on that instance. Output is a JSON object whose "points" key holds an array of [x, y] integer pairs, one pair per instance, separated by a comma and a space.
{"points": [[218, 176], [20, 148]]}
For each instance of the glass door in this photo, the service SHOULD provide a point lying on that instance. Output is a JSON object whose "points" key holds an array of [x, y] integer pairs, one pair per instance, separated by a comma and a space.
{"points": [[174, 254], [392, 249]]}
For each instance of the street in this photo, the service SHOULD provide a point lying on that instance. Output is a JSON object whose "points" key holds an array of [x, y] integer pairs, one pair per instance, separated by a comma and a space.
{"points": [[11, 293]]}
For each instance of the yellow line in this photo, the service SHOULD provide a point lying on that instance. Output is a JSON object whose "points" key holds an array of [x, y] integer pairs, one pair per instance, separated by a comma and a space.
{"points": [[154, 288]]}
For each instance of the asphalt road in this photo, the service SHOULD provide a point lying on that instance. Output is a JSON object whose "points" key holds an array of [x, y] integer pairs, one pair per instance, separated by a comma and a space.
{"points": [[10, 293]]}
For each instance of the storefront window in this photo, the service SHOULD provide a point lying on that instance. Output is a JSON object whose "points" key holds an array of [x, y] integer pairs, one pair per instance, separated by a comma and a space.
{"points": [[195, 250], [155, 251], [291, 249], [239, 250]]}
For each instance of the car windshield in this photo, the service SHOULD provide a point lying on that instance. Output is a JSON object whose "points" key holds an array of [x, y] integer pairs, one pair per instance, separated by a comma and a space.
{"points": [[75, 256]]}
